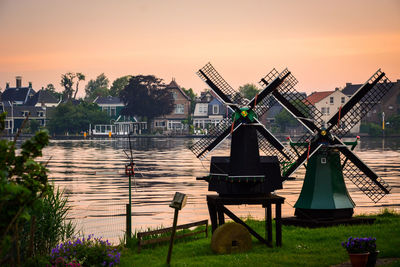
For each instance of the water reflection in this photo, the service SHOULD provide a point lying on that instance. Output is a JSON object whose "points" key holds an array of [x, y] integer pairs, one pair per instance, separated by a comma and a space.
{"points": [[92, 173]]}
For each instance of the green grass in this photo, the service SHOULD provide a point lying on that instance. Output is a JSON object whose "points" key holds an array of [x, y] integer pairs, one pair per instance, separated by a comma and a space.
{"points": [[301, 247]]}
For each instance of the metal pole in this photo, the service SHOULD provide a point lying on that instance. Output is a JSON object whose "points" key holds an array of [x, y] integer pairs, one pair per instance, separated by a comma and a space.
{"points": [[128, 223], [171, 243]]}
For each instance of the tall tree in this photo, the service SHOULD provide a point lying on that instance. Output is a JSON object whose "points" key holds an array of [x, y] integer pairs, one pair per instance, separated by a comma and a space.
{"points": [[249, 90], [192, 95], [80, 77], [98, 87], [71, 118], [67, 81], [119, 84], [146, 96]]}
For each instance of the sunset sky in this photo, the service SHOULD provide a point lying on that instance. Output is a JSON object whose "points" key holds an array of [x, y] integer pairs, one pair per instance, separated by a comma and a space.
{"points": [[324, 43]]}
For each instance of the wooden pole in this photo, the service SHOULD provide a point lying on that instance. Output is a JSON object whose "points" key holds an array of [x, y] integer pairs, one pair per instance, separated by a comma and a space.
{"points": [[171, 243]]}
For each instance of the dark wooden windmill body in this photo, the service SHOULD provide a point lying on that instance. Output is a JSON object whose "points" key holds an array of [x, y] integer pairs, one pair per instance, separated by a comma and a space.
{"points": [[244, 172]]}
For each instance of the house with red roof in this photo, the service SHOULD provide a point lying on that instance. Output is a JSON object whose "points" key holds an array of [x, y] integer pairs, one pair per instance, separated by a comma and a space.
{"points": [[329, 102]]}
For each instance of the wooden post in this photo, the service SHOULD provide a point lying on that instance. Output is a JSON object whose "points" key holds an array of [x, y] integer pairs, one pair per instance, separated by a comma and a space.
{"points": [[128, 222], [171, 243], [278, 224]]}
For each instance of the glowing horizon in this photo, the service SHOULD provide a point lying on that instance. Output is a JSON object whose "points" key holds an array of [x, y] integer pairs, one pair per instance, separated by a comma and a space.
{"points": [[324, 44]]}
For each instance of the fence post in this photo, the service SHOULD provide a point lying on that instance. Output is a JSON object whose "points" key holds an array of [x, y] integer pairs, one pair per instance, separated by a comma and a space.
{"points": [[128, 222]]}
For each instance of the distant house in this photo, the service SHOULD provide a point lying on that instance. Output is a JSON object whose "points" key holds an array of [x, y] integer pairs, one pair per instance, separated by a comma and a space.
{"points": [[329, 102], [389, 104], [17, 114], [111, 105], [42, 99], [18, 95], [119, 124], [209, 110], [20, 102], [174, 122]]}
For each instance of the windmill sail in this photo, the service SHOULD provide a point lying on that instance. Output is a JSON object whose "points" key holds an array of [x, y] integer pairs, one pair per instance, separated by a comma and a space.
{"points": [[362, 101]]}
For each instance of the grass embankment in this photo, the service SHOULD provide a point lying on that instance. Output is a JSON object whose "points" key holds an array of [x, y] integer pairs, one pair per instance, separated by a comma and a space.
{"points": [[301, 247]]}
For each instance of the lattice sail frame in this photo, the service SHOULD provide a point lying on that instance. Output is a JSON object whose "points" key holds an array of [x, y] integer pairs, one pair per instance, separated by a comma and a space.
{"points": [[362, 181], [213, 132], [366, 103], [212, 74]]}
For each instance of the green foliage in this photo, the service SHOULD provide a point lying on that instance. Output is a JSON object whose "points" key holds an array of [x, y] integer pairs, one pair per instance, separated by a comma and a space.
{"points": [[87, 252], [49, 223], [119, 84], [71, 118], [300, 247], [23, 182], [97, 88], [146, 96], [192, 95], [372, 129], [249, 90], [67, 81], [284, 120], [34, 126]]}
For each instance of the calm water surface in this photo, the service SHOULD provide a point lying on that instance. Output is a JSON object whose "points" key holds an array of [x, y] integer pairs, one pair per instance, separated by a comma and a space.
{"points": [[92, 174]]}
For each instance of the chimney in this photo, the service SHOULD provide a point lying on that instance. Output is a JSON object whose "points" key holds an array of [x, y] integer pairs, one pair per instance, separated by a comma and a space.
{"points": [[18, 81], [348, 84], [7, 85], [30, 84], [337, 89]]}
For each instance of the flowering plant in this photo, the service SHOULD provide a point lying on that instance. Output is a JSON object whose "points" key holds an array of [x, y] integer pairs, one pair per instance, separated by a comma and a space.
{"points": [[360, 245], [85, 252]]}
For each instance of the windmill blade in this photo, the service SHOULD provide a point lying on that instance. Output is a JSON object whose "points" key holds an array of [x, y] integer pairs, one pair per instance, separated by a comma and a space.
{"points": [[299, 110], [215, 136], [314, 147], [361, 175], [224, 91], [271, 81], [270, 145], [362, 101]]}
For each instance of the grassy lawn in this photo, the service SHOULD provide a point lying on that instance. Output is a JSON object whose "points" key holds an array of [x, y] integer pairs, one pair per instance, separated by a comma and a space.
{"points": [[301, 247]]}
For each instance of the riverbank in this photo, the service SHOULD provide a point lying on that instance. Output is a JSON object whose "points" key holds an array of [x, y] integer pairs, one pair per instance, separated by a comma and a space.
{"points": [[301, 247]]}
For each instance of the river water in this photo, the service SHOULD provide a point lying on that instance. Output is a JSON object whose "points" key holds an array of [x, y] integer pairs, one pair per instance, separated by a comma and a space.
{"points": [[92, 174]]}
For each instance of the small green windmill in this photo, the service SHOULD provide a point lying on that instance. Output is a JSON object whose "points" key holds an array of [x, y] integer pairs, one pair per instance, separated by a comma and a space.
{"points": [[329, 160]]}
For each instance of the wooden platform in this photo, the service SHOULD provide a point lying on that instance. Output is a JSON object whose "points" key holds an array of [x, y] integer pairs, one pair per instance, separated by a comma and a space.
{"points": [[314, 223], [216, 207]]}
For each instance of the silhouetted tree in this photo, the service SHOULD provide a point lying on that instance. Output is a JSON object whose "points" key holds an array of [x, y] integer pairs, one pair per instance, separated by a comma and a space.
{"points": [[146, 96], [248, 90], [98, 87], [80, 77], [119, 84], [67, 81]]}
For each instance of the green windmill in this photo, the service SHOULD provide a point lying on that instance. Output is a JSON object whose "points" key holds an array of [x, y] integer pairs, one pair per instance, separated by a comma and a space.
{"points": [[328, 159]]}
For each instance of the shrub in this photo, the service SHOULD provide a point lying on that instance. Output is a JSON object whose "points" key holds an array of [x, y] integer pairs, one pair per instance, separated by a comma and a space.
{"points": [[85, 252]]}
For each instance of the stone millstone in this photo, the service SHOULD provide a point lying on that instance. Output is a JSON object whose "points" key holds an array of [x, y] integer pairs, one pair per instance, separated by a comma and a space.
{"points": [[231, 238]]}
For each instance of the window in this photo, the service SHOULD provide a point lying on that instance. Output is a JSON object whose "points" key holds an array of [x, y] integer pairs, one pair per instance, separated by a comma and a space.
{"points": [[342, 100], [323, 110], [331, 100], [25, 113], [215, 109], [327, 111], [174, 95], [113, 111], [179, 109], [40, 114], [160, 123]]}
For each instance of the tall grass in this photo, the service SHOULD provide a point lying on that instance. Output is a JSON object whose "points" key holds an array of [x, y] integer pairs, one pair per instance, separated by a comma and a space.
{"points": [[48, 225]]}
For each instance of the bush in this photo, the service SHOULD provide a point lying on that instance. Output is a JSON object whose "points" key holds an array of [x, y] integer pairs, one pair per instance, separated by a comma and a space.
{"points": [[85, 252]]}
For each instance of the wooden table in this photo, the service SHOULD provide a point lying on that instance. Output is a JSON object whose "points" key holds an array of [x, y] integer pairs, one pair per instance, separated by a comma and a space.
{"points": [[216, 207]]}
